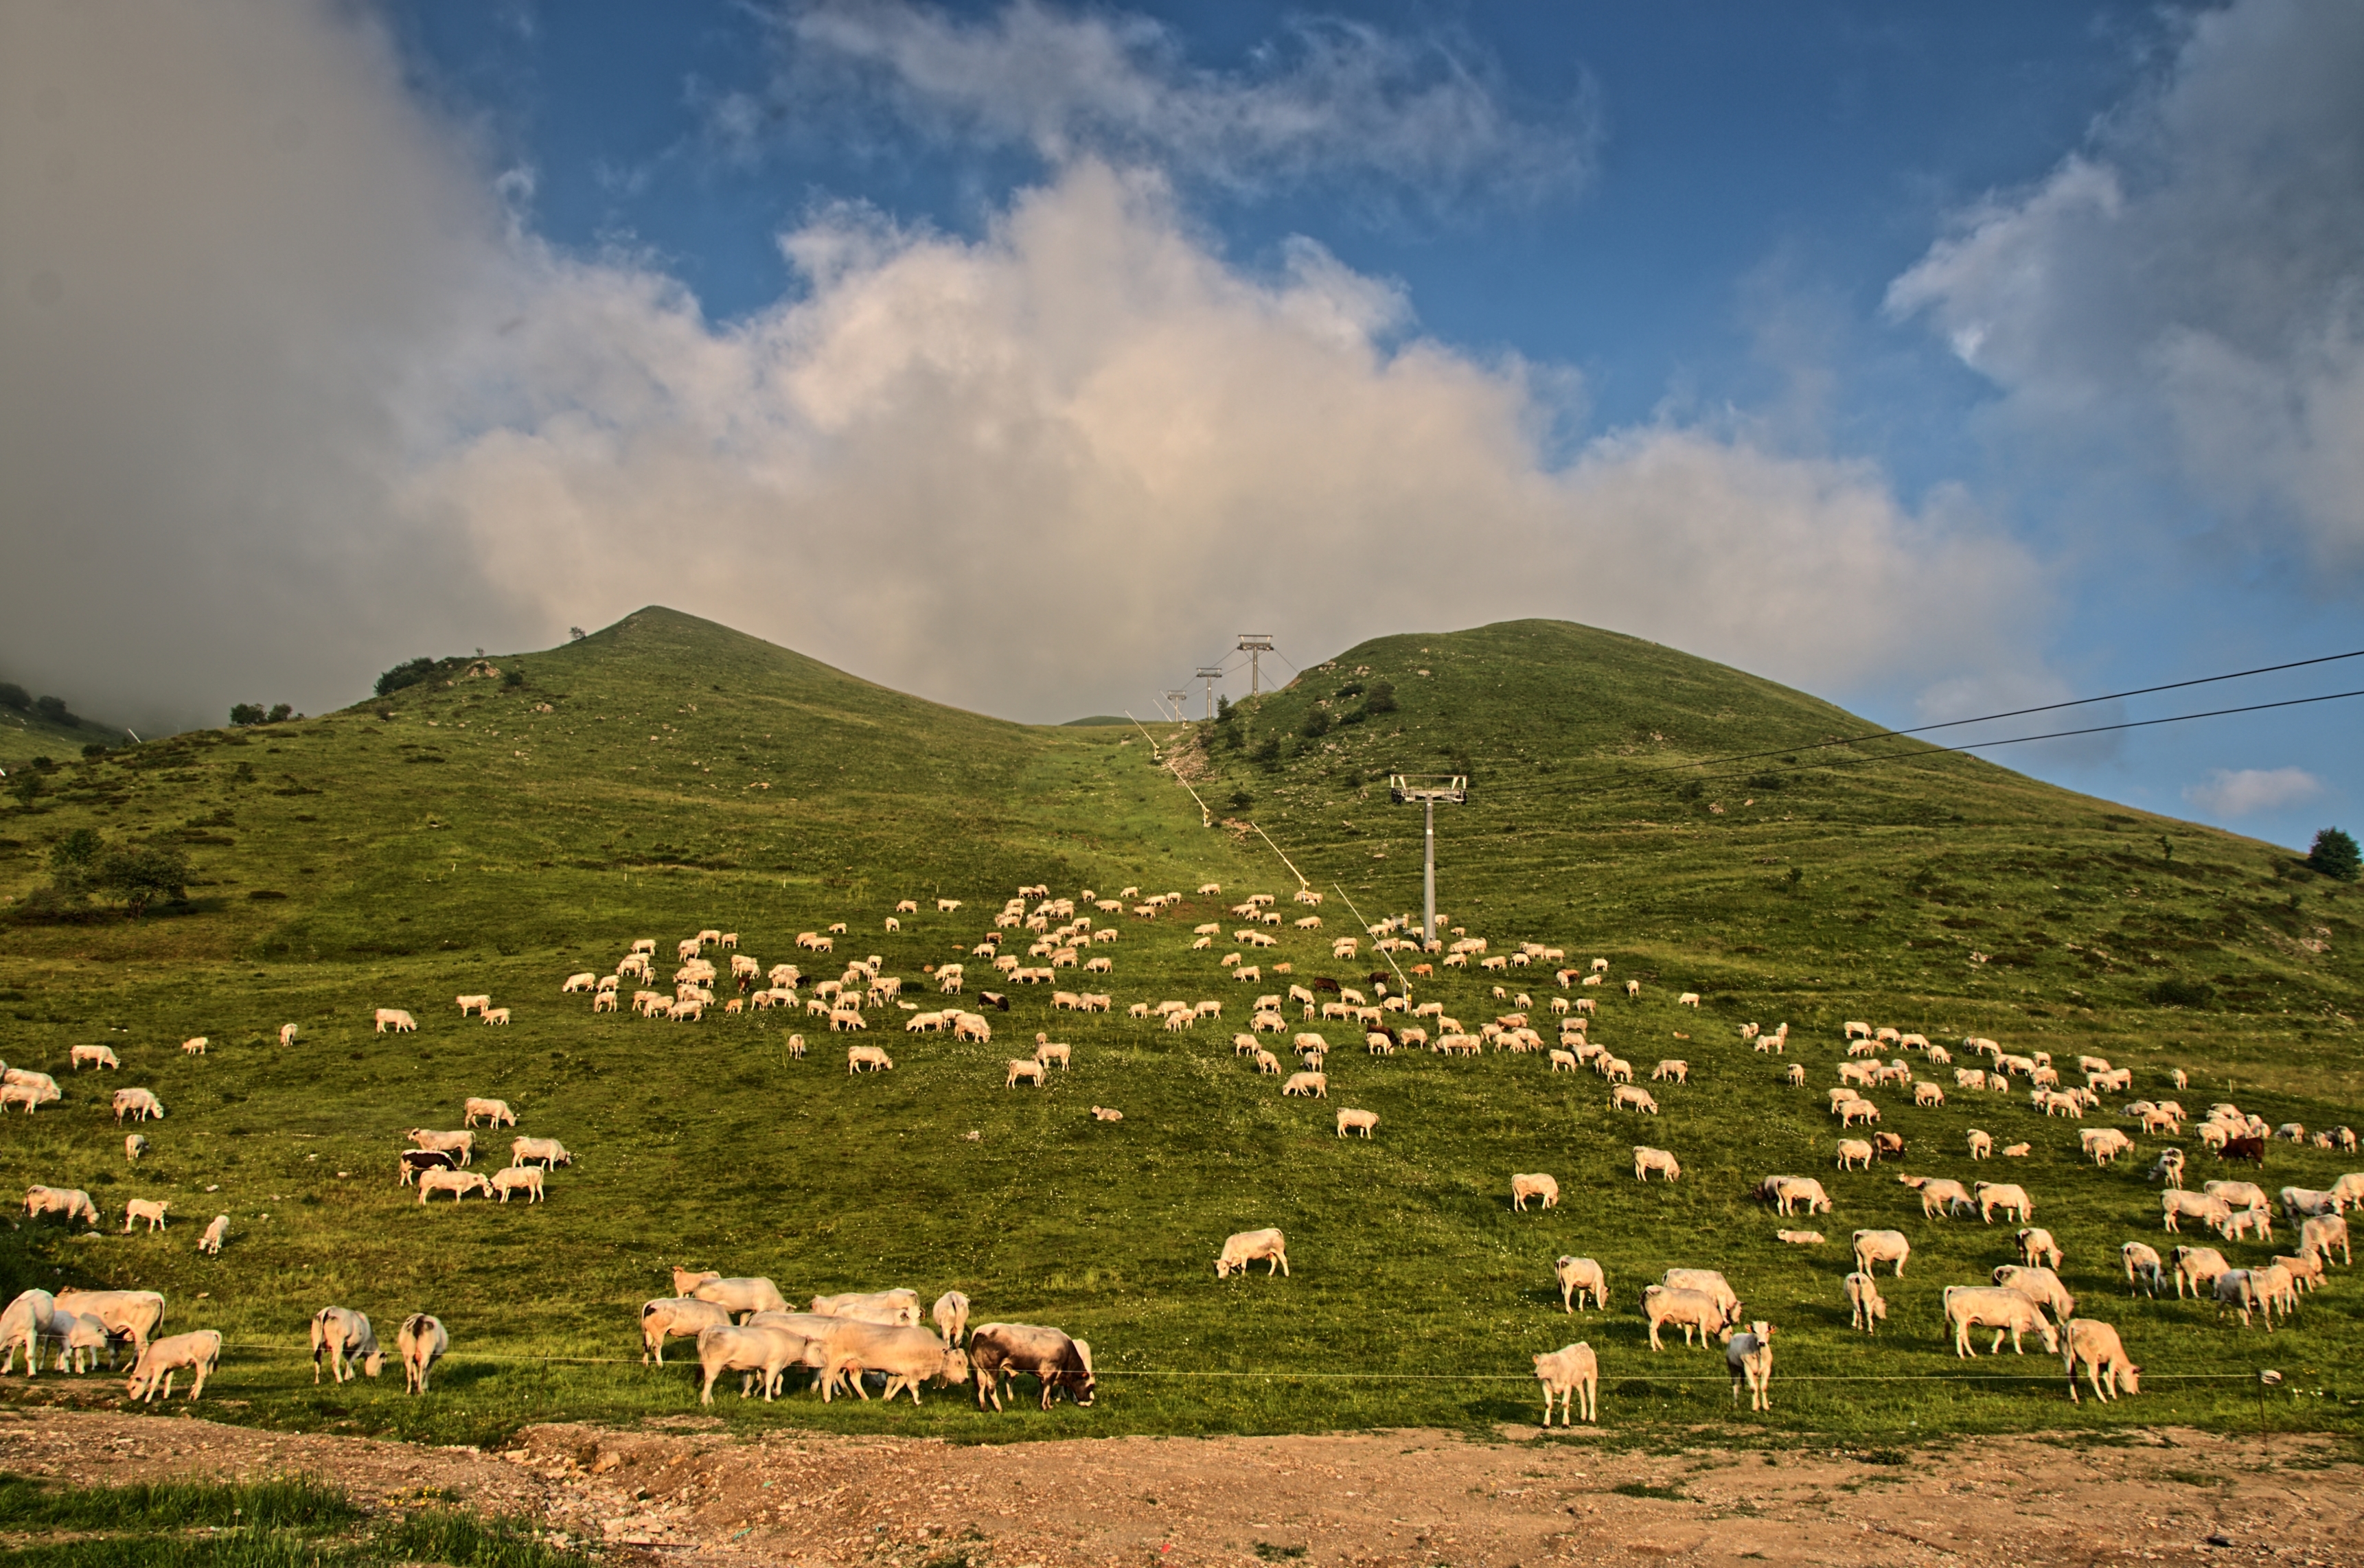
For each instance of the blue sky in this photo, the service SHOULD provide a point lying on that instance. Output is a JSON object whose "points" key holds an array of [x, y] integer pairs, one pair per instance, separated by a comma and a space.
{"points": [[1938, 359]]}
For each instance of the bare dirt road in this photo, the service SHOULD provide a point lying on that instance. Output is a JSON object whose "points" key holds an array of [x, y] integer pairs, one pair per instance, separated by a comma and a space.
{"points": [[675, 1493]]}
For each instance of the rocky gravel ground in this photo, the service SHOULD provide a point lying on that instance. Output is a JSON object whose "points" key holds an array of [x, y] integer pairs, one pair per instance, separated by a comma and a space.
{"points": [[682, 1491]]}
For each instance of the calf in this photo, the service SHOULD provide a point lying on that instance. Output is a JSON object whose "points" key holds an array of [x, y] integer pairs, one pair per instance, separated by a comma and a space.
{"points": [[1572, 1371], [2145, 1271], [950, 1314], [2037, 1246], [1577, 1277], [1749, 1354], [199, 1353], [1866, 1309]]}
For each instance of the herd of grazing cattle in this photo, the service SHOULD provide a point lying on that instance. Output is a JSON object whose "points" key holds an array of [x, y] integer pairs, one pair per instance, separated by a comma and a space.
{"points": [[744, 1324]]}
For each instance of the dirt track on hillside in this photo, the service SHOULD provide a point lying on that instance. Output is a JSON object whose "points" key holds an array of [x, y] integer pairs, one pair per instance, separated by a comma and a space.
{"points": [[1414, 1498]]}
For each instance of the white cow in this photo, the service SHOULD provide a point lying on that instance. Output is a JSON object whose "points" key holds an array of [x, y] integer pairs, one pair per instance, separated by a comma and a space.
{"points": [[421, 1342], [1749, 1354], [1873, 1248], [1577, 1277], [1646, 1160], [526, 1179], [459, 1183], [1247, 1247], [1572, 1371], [344, 1339]]}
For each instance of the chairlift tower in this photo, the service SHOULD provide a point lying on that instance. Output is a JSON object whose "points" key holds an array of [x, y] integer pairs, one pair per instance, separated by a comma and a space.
{"points": [[1209, 673], [1428, 789], [1255, 644], [1174, 700]]}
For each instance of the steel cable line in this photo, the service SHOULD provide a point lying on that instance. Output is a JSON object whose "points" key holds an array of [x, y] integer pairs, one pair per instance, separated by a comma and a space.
{"points": [[2022, 712], [1532, 791]]}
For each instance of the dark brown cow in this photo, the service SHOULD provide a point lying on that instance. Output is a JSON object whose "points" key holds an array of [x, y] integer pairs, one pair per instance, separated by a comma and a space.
{"points": [[417, 1160], [999, 1351], [2250, 1149]]}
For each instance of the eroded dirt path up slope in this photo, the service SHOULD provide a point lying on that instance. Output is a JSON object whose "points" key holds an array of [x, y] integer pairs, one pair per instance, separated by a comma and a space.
{"points": [[1413, 1498]]}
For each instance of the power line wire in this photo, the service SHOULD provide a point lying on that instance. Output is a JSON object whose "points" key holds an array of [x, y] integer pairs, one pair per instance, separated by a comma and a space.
{"points": [[1981, 745], [2022, 712]]}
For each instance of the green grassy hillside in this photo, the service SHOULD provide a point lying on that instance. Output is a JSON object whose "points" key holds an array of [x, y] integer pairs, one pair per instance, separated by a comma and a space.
{"points": [[496, 833], [26, 733]]}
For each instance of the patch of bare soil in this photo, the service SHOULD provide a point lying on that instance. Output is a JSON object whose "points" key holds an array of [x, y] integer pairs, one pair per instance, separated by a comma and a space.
{"points": [[673, 1492]]}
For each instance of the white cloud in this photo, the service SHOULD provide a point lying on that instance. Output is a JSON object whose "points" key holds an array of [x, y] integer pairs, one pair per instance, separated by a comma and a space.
{"points": [[234, 245], [1429, 113], [2244, 792], [306, 400], [2190, 286], [1040, 470]]}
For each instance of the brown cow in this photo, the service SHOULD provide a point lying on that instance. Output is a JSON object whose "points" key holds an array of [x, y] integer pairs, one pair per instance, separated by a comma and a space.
{"points": [[1001, 1350]]}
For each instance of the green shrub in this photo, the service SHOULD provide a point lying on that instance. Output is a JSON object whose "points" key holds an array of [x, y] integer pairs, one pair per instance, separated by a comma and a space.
{"points": [[83, 864], [280, 713], [1382, 698], [2334, 856], [409, 672], [13, 696], [245, 713], [54, 710], [512, 678], [1315, 724], [2178, 992]]}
